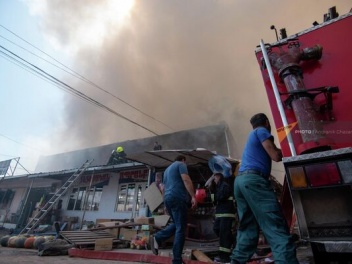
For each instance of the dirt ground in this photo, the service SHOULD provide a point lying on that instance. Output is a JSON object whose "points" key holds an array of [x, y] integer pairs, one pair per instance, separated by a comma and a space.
{"points": [[21, 255], [18, 255]]}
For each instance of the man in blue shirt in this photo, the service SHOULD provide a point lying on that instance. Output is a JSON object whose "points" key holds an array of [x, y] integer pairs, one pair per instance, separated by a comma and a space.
{"points": [[257, 205], [178, 193]]}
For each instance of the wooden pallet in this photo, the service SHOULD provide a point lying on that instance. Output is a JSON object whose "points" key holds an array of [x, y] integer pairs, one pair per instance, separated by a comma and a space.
{"points": [[86, 238]]}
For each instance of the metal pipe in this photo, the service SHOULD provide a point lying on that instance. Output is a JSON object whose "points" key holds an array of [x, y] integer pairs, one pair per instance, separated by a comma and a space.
{"points": [[278, 99], [301, 101]]}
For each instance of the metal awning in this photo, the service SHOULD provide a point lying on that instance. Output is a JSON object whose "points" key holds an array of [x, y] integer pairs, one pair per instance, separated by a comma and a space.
{"points": [[96, 169], [163, 158]]}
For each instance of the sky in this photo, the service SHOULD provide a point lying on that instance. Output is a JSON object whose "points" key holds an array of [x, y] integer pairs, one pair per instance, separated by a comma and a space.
{"points": [[157, 67]]}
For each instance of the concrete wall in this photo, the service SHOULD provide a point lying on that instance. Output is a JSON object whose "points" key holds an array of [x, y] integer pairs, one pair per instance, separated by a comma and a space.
{"points": [[20, 185], [106, 207], [20, 196], [13, 207]]}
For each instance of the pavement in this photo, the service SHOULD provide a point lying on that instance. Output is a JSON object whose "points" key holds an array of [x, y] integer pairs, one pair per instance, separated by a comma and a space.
{"points": [[18, 255], [21, 255], [10, 255]]}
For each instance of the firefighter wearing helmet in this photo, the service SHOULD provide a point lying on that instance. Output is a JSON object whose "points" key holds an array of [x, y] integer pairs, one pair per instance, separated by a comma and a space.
{"points": [[118, 156], [119, 149], [225, 215]]}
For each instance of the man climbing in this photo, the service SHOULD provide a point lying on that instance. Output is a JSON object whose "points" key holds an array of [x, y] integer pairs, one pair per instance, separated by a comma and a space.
{"points": [[118, 156]]}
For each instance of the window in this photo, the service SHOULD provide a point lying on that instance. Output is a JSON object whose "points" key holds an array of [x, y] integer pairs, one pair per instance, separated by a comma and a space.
{"points": [[6, 197], [122, 198], [130, 196], [94, 197], [81, 198], [139, 197], [72, 200]]}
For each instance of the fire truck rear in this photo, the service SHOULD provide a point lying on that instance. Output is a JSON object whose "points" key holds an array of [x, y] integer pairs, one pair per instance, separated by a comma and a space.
{"points": [[308, 80]]}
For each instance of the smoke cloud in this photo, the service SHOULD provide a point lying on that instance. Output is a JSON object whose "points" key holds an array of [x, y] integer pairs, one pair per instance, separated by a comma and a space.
{"points": [[186, 63]]}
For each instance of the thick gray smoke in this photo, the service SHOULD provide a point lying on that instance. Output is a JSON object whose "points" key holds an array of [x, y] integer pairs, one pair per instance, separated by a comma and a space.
{"points": [[187, 63]]}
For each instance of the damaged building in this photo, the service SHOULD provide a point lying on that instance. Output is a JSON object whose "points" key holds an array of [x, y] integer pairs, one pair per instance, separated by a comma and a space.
{"points": [[106, 191]]}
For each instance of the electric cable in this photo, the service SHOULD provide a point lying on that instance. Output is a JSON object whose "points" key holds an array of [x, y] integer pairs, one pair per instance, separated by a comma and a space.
{"points": [[76, 74], [20, 143], [67, 87]]}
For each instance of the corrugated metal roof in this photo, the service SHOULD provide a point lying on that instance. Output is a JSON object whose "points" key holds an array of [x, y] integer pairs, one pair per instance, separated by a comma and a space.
{"points": [[96, 169]]}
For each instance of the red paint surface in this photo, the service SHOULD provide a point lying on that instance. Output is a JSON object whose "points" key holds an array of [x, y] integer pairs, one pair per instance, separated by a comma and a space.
{"points": [[123, 256], [333, 69]]}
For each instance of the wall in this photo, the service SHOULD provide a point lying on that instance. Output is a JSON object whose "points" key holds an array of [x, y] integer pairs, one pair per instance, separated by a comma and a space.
{"points": [[20, 185], [16, 201], [20, 195], [106, 207]]}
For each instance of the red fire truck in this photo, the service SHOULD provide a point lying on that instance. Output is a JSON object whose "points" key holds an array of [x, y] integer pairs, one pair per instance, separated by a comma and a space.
{"points": [[308, 80]]}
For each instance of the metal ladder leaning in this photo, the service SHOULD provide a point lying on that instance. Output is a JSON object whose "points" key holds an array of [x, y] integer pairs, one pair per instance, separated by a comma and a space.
{"points": [[47, 207]]}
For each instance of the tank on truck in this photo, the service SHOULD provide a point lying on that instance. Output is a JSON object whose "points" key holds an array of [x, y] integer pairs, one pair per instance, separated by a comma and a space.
{"points": [[317, 144]]}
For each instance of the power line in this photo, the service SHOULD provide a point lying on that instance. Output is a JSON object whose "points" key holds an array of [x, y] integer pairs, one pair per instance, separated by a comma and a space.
{"points": [[67, 87], [76, 74], [26, 68], [8, 155], [20, 143]]}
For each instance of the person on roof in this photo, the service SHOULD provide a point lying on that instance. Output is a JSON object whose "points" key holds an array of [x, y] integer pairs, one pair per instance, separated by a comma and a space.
{"points": [[118, 156], [157, 146]]}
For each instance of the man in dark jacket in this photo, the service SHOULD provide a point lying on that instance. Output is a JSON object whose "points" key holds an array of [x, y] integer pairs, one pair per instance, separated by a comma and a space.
{"points": [[224, 217]]}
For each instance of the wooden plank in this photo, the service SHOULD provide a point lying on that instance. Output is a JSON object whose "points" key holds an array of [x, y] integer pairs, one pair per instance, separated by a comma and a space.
{"points": [[86, 235], [117, 226], [199, 255], [92, 243], [87, 239]]}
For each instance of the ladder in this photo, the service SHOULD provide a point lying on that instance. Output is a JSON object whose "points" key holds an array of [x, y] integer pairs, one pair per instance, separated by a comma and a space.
{"points": [[47, 207]]}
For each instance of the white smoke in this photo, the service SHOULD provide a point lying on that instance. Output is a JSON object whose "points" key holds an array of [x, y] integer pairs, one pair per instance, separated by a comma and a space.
{"points": [[186, 63]]}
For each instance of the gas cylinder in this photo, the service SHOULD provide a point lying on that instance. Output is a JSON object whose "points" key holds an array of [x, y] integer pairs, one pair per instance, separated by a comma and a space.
{"points": [[201, 195]]}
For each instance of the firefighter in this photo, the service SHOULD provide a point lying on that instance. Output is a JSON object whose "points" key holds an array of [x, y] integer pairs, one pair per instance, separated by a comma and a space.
{"points": [[225, 214], [118, 156], [157, 146]]}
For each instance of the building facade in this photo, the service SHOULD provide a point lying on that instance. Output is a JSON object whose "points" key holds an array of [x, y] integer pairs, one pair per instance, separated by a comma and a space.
{"points": [[102, 191]]}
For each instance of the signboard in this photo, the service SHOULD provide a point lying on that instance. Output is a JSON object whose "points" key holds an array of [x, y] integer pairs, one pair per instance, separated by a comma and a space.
{"points": [[134, 175], [101, 178], [4, 166]]}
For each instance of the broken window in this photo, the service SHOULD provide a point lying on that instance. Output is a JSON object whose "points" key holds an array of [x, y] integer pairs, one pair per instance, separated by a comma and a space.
{"points": [[130, 196], [83, 198]]}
